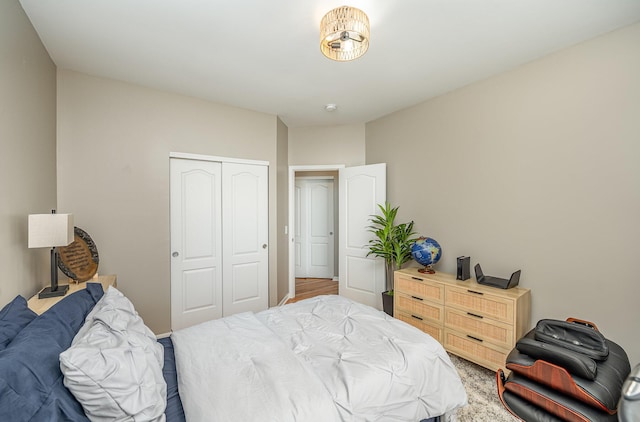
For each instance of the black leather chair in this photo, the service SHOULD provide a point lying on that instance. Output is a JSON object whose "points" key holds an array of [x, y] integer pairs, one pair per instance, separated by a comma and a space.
{"points": [[564, 371], [629, 407]]}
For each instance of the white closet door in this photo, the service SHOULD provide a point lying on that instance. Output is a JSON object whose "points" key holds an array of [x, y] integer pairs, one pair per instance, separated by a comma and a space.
{"points": [[362, 278], [245, 235], [196, 250]]}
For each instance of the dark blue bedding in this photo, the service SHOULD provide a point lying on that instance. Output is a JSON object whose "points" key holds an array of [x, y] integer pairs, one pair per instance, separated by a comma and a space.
{"points": [[13, 318], [31, 383], [174, 412]]}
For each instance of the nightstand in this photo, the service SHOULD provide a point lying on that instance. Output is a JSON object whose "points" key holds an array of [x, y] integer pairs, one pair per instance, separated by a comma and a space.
{"points": [[40, 305]]}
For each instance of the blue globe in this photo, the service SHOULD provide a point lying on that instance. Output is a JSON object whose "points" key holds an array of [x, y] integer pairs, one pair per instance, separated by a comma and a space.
{"points": [[426, 251]]}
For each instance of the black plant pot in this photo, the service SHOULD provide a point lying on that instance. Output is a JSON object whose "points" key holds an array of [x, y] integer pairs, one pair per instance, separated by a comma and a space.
{"points": [[387, 302]]}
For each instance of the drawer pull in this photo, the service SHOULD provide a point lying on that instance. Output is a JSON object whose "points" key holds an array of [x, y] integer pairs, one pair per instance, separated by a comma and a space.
{"points": [[416, 317], [475, 315], [475, 293], [417, 278], [474, 338], [417, 298]]}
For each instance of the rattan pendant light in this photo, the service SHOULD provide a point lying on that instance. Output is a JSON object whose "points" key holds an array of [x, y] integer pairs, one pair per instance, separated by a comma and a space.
{"points": [[344, 34]]}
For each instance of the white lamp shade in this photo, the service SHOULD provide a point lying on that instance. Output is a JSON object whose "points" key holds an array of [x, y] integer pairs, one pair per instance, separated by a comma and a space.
{"points": [[49, 230]]}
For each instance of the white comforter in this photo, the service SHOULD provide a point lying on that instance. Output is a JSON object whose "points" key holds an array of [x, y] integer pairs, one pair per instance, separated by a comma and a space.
{"points": [[324, 359]]}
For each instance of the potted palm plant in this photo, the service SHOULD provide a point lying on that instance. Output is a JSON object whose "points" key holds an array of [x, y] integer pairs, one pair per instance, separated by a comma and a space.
{"points": [[392, 242]]}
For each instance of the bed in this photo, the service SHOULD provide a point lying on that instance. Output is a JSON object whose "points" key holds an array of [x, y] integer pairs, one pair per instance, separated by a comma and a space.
{"points": [[90, 357]]}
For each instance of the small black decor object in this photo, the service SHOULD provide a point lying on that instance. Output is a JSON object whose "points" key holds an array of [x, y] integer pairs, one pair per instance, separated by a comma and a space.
{"points": [[501, 283], [387, 302], [464, 268]]}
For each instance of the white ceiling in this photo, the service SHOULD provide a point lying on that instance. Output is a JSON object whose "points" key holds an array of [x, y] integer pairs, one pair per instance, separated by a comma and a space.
{"points": [[265, 55]]}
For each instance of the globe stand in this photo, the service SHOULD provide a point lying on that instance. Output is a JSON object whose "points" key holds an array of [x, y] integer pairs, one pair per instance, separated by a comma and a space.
{"points": [[427, 270]]}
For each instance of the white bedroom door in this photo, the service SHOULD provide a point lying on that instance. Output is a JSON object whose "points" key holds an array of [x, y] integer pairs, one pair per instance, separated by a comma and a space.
{"points": [[196, 242], [314, 228], [245, 233], [362, 278]]}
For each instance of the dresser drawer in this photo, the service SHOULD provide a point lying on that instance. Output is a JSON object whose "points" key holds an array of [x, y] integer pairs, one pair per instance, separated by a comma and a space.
{"points": [[498, 333], [485, 354], [484, 304], [434, 331], [420, 288], [421, 308]]}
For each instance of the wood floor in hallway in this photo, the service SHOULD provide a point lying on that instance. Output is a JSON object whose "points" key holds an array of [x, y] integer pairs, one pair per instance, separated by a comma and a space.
{"points": [[310, 287]]}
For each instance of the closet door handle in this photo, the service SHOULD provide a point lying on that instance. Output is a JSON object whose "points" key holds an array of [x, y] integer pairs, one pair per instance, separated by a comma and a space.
{"points": [[175, 254], [264, 246]]}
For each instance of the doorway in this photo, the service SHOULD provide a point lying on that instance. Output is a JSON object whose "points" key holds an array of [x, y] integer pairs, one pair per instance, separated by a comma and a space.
{"points": [[311, 172], [312, 287], [315, 214], [360, 188]]}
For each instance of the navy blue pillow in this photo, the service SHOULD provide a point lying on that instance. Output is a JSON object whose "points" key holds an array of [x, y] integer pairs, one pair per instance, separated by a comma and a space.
{"points": [[31, 383], [13, 318]]}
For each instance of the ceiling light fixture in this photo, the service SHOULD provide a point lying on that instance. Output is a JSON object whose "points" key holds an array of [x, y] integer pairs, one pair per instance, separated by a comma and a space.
{"points": [[344, 34], [331, 107]]}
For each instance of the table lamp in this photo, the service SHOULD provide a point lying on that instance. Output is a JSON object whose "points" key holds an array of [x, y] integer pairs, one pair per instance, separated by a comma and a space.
{"points": [[49, 231]]}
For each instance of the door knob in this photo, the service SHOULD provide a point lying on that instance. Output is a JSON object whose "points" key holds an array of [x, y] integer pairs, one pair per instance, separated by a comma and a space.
{"points": [[330, 233], [175, 254], [264, 246]]}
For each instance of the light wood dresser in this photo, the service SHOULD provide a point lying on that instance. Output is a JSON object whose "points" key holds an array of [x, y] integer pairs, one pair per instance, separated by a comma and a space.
{"points": [[40, 305], [476, 322]]}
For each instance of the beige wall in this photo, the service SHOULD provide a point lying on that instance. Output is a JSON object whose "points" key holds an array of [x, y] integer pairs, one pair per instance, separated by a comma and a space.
{"points": [[283, 211], [114, 141], [27, 150], [535, 169], [327, 145]]}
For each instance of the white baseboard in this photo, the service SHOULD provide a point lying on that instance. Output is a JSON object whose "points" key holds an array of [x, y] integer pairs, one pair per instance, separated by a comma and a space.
{"points": [[284, 300], [163, 335], [335, 278]]}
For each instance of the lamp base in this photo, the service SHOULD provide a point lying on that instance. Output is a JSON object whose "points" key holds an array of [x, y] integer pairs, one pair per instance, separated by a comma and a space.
{"points": [[47, 292]]}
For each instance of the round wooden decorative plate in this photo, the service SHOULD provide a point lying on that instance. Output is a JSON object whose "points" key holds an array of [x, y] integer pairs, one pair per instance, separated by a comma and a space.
{"points": [[79, 260]]}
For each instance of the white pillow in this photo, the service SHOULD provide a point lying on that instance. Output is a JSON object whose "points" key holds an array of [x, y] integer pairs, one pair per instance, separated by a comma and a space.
{"points": [[114, 364]]}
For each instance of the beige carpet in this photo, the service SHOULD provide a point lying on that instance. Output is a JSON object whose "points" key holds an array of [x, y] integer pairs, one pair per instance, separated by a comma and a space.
{"points": [[480, 384]]}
